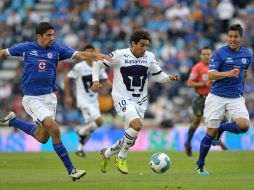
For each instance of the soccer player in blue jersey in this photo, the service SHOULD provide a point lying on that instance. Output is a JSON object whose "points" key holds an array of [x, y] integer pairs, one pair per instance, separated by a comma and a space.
{"points": [[38, 86], [228, 68]]}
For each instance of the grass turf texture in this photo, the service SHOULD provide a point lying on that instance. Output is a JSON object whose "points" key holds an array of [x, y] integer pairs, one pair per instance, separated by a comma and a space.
{"points": [[232, 170]]}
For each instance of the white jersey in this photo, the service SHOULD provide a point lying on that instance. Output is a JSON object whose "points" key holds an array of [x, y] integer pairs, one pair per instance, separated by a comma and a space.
{"points": [[82, 73], [130, 74]]}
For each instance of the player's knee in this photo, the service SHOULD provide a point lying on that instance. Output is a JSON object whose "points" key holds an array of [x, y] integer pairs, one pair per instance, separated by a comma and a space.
{"points": [[136, 124], [43, 140], [243, 124]]}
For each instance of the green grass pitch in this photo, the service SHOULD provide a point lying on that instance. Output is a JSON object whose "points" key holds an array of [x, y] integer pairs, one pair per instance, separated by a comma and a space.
{"points": [[229, 170]]}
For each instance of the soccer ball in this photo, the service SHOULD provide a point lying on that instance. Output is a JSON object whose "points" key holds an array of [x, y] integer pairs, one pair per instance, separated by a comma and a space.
{"points": [[160, 162]]}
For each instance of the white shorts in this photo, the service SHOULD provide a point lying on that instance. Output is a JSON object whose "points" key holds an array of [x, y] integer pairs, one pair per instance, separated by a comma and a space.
{"points": [[91, 112], [40, 107], [216, 107], [130, 110]]}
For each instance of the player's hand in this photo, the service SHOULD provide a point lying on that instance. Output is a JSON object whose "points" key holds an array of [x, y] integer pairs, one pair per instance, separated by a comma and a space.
{"points": [[101, 56], [174, 77], [69, 100], [234, 72], [96, 86]]}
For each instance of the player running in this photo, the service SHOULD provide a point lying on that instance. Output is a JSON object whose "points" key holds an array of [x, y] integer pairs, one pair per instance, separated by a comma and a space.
{"points": [[131, 67]]}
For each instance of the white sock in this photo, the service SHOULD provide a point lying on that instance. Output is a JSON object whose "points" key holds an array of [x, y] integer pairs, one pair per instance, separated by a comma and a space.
{"points": [[80, 147], [113, 149], [129, 138], [88, 128]]}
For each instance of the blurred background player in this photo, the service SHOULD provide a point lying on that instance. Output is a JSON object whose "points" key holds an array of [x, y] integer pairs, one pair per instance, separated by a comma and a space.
{"points": [[131, 67], [199, 81], [87, 100], [228, 67], [39, 87]]}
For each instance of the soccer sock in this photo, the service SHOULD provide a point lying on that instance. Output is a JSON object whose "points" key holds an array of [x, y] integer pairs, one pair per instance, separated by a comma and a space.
{"points": [[190, 134], [63, 155], [82, 141], [88, 128], [204, 148], [128, 140], [231, 127], [28, 128], [113, 149]]}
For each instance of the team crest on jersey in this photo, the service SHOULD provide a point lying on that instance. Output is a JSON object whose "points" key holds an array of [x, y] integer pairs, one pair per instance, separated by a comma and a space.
{"points": [[42, 65], [49, 55], [244, 60]]}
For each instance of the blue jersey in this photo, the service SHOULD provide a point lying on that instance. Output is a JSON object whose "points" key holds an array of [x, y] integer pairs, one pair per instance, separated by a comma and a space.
{"points": [[225, 59], [39, 72]]}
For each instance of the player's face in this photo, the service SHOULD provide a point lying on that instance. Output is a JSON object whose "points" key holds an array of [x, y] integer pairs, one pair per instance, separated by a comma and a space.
{"points": [[139, 49], [89, 61], [206, 55], [46, 39], [234, 40]]}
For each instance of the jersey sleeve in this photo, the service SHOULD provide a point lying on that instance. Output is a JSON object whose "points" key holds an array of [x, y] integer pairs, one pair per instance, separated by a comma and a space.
{"points": [[114, 56], [215, 61], [194, 74], [65, 52], [17, 50], [103, 75], [154, 68]]}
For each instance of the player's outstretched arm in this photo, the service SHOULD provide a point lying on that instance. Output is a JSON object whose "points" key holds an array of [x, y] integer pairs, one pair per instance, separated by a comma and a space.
{"points": [[96, 55], [163, 77], [216, 75], [3, 53], [96, 69]]}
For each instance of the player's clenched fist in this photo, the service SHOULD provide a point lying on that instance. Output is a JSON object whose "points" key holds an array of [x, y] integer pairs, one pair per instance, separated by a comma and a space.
{"points": [[96, 86], [174, 77]]}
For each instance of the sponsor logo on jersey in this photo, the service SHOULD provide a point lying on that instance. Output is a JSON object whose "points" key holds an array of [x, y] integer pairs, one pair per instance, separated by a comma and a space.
{"points": [[229, 60], [128, 61], [42, 65], [34, 52]]}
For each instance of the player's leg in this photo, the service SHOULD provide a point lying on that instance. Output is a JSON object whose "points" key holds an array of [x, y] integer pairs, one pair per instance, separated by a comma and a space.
{"points": [[198, 109], [213, 113], [239, 113], [94, 121], [195, 123]]}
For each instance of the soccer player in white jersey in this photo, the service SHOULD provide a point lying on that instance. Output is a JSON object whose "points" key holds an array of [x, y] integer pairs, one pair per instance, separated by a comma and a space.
{"points": [[87, 100], [39, 86], [228, 67], [131, 67]]}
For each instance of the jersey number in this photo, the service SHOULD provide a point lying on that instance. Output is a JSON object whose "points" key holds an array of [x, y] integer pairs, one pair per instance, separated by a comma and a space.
{"points": [[87, 81]]}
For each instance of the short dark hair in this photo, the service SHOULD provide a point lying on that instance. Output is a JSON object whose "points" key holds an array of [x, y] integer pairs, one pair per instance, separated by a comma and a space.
{"points": [[88, 46], [236, 27], [205, 47], [43, 27], [140, 35]]}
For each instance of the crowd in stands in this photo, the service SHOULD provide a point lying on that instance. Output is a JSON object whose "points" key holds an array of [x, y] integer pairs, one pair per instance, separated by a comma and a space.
{"points": [[179, 28]]}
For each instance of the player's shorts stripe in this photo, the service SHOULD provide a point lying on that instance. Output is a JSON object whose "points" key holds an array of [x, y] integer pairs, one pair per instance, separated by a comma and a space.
{"points": [[157, 73], [128, 136], [105, 64]]}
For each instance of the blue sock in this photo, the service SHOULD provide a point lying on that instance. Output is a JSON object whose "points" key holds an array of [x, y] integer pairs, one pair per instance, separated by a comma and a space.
{"points": [[63, 155], [28, 128], [231, 127], [204, 149]]}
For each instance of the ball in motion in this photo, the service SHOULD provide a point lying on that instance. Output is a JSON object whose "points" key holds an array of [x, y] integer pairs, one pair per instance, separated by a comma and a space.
{"points": [[160, 162]]}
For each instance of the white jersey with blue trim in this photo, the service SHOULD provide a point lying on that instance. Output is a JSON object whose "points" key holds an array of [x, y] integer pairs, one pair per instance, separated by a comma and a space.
{"points": [[225, 59], [130, 73], [39, 72], [82, 73]]}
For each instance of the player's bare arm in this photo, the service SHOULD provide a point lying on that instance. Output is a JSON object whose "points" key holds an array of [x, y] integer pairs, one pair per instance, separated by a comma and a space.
{"points": [[68, 98], [216, 75], [96, 86], [84, 55], [3, 53]]}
